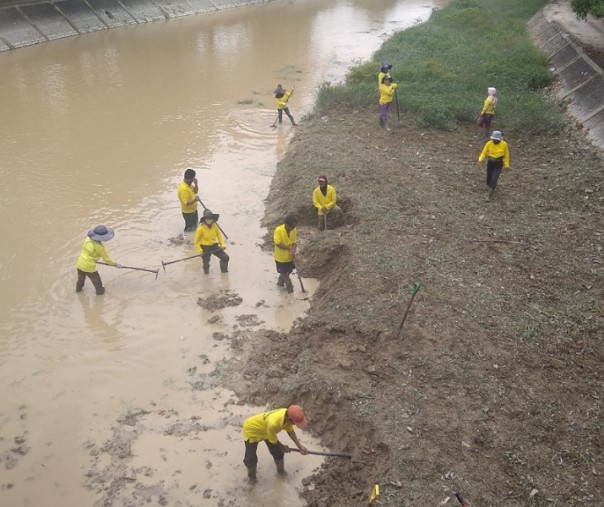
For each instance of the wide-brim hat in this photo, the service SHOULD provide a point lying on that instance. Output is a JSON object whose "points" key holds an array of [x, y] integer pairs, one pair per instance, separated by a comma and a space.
{"points": [[497, 135], [101, 233], [215, 217]]}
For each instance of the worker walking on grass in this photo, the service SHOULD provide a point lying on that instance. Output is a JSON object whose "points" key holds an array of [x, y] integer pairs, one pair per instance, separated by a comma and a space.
{"points": [[282, 96], [187, 195], [324, 199], [93, 250], [488, 111], [265, 427], [286, 241], [209, 241], [387, 90], [497, 153]]}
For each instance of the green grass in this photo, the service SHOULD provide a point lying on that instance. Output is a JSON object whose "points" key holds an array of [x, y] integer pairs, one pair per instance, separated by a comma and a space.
{"points": [[444, 66]]}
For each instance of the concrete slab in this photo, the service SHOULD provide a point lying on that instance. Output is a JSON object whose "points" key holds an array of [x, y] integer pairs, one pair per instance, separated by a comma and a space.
{"points": [[111, 13], [143, 11], [595, 126], [16, 30], [227, 4], [3, 47], [576, 73], [554, 45], [80, 16], [588, 98], [176, 8], [564, 56], [202, 5], [48, 21]]}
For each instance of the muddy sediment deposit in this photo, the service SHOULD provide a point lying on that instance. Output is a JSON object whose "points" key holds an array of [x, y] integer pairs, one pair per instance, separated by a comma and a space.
{"points": [[492, 389]]}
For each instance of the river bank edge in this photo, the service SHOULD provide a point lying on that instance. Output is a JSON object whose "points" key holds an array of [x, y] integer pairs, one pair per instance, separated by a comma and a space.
{"points": [[490, 388]]}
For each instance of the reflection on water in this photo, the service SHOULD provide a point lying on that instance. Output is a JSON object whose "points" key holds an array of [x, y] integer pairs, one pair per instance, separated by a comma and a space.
{"points": [[99, 129]]}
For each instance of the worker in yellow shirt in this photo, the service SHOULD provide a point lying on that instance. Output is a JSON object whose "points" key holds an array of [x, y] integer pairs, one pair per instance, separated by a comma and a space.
{"points": [[387, 90], [93, 250], [324, 199], [187, 195], [209, 241], [282, 97], [265, 427], [497, 153], [488, 111], [286, 241]]}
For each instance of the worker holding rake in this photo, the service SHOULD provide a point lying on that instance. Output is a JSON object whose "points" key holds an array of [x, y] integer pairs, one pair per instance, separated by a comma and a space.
{"points": [[209, 241], [265, 427], [282, 97]]}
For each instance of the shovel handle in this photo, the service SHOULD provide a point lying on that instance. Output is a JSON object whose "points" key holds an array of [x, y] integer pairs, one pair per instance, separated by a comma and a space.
{"points": [[321, 453]]}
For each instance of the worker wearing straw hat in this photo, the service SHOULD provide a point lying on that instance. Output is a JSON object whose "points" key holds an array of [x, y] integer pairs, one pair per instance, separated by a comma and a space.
{"points": [[92, 250]]}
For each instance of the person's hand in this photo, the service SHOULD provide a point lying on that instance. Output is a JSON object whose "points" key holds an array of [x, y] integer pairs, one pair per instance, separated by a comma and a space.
{"points": [[285, 449], [118, 266], [303, 450], [223, 247], [323, 209], [394, 86]]}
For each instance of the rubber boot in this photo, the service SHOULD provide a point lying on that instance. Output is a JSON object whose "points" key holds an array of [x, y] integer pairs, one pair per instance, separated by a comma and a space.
{"points": [[289, 285], [280, 463], [251, 474], [281, 281], [100, 291], [224, 266]]}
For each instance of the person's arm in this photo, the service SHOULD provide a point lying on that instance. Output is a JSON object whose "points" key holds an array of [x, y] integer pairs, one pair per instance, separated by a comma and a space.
{"points": [[331, 199], [485, 106], [197, 240], [506, 157], [195, 187], [219, 236], [294, 437], [100, 249], [315, 198], [484, 152]]}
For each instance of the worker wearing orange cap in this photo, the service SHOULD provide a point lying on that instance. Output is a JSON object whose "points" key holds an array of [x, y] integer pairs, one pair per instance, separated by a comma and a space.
{"points": [[264, 427]]}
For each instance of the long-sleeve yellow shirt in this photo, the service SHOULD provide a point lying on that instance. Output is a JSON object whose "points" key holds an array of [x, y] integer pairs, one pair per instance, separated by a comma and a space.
{"points": [[387, 92], [282, 237], [92, 251], [328, 200], [499, 150], [489, 106], [186, 194], [265, 426], [207, 236], [282, 101]]}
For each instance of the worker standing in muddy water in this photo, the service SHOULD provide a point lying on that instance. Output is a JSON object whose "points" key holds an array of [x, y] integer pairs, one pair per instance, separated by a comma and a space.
{"points": [[265, 427], [209, 241], [282, 97], [187, 195], [498, 157], [93, 250], [324, 199], [286, 241]]}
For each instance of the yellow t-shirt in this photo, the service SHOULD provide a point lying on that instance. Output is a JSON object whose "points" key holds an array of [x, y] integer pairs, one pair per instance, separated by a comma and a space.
{"points": [[282, 101], [489, 106], [282, 237], [386, 93], [206, 236], [92, 251], [499, 150], [328, 200], [265, 426], [185, 194]]}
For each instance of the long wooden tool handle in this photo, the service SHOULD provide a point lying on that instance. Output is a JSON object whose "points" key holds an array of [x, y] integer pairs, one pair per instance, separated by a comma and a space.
{"points": [[321, 453]]}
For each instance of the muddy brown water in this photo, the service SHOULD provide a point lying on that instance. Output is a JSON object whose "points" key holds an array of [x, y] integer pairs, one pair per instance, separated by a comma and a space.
{"points": [[98, 403]]}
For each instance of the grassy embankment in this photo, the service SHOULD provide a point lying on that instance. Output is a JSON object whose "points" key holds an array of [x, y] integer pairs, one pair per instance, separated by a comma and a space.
{"points": [[444, 66]]}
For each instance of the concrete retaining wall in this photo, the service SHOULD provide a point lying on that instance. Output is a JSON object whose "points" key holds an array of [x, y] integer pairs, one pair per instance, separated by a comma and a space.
{"points": [[23, 22], [581, 78]]}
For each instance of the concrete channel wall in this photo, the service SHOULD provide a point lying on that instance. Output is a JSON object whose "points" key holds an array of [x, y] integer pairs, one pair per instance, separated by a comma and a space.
{"points": [[23, 23], [581, 79]]}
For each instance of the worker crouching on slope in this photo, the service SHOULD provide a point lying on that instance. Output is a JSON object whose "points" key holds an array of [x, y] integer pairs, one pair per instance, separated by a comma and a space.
{"points": [[265, 427], [209, 241]]}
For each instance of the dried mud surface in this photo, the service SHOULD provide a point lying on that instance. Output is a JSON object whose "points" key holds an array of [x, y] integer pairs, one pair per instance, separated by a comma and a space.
{"points": [[494, 388]]}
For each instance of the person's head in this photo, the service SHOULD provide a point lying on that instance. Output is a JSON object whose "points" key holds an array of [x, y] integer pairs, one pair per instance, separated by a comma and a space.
{"points": [[291, 221], [295, 413], [322, 180], [279, 91], [101, 233], [189, 176], [496, 136], [491, 91], [386, 80], [386, 67], [208, 217]]}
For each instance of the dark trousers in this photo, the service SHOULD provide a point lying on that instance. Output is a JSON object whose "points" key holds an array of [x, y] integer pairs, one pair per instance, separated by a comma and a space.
{"points": [[494, 167], [207, 253], [95, 278], [280, 113], [191, 220], [251, 458]]}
